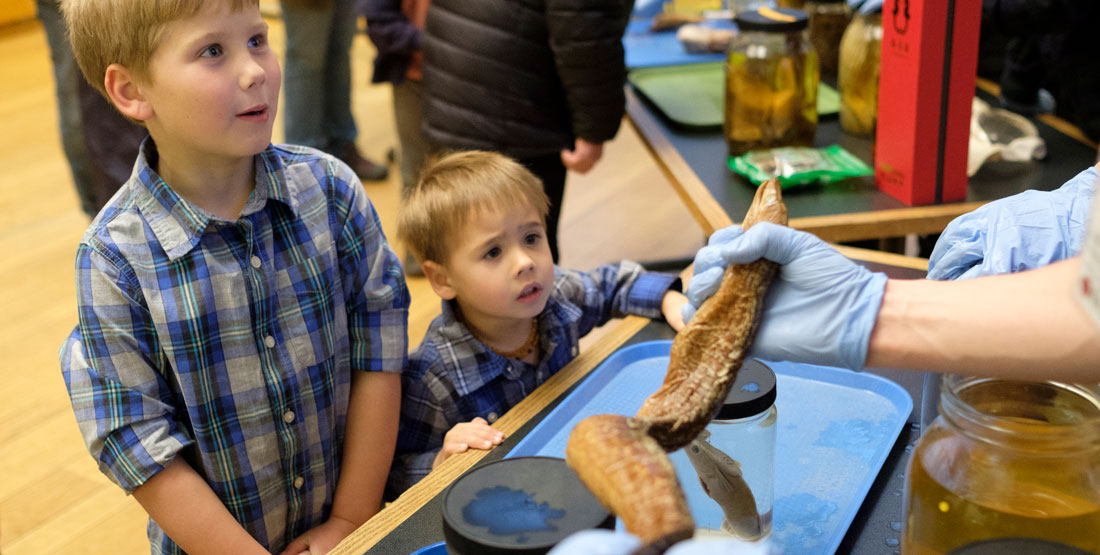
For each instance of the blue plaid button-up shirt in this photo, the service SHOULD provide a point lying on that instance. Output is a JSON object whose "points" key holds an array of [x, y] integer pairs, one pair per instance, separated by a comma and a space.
{"points": [[232, 343], [452, 377]]}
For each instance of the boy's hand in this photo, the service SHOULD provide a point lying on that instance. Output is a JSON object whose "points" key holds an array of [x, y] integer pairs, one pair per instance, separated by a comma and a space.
{"points": [[321, 538], [583, 156], [672, 306], [475, 434]]}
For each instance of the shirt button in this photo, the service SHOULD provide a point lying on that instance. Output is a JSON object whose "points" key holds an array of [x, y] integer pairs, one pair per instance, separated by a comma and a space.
{"points": [[269, 341], [255, 262], [575, 350], [492, 417], [288, 416], [299, 482]]}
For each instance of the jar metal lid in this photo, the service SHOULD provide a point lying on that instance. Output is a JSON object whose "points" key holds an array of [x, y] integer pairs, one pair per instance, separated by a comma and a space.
{"points": [[772, 20], [518, 506], [753, 391]]}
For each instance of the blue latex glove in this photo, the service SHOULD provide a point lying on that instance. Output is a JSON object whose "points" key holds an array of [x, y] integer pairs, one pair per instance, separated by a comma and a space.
{"points": [[1020, 232], [865, 6], [606, 542], [820, 309]]}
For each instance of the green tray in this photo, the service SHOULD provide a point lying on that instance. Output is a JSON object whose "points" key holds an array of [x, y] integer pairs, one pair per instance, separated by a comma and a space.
{"points": [[694, 95]]}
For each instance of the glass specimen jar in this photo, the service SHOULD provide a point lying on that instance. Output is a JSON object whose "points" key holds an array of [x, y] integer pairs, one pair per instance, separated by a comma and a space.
{"points": [[828, 20], [771, 82], [1005, 461], [735, 455], [857, 80]]}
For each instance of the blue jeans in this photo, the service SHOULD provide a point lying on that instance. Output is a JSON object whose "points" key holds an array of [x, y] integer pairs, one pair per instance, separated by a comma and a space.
{"points": [[317, 79]]}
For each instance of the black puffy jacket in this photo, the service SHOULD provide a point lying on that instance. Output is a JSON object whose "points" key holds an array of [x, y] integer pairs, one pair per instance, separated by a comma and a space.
{"points": [[524, 77]]}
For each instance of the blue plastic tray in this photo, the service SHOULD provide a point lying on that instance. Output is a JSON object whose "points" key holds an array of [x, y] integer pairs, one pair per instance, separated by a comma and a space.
{"points": [[644, 48], [835, 429], [439, 548]]}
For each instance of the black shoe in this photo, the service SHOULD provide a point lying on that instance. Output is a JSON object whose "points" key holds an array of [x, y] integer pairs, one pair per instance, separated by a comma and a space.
{"points": [[363, 167]]}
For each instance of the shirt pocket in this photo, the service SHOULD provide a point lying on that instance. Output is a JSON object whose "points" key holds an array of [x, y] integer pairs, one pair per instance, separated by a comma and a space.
{"points": [[311, 327]]}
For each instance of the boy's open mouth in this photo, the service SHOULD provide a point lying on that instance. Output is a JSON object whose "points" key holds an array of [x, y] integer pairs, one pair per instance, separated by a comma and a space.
{"points": [[256, 111], [530, 292]]}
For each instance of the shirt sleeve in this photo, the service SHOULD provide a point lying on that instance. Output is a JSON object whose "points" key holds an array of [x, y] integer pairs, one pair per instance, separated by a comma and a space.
{"points": [[614, 291], [374, 283], [1088, 288], [586, 37], [110, 364], [425, 404]]}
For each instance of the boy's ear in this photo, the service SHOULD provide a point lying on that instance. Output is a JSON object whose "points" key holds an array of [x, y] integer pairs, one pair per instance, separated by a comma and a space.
{"points": [[439, 279], [126, 94]]}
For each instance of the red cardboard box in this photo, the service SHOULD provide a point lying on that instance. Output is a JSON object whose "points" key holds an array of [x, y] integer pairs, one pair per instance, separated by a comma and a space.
{"points": [[926, 84]]}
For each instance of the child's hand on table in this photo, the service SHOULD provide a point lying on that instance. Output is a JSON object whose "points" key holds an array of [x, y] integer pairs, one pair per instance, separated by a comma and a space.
{"points": [[475, 434], [321, 538]]}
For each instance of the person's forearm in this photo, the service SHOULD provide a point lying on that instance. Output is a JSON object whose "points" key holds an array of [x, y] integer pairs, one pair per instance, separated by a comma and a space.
{"points": [[1024, 326], [373, 411], [185, 507]]}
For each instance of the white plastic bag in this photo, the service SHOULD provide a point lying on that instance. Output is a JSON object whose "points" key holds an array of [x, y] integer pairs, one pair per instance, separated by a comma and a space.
{"points": [[997, 134]]}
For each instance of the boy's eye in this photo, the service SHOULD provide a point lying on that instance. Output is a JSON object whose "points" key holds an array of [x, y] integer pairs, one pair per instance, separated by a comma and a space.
{"points": [[257, 41], [533, 238], [492, 253], [212, 51]]}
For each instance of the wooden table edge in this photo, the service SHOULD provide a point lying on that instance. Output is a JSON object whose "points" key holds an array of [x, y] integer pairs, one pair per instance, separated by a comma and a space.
{"points": [[389, 518], [853, 226]]}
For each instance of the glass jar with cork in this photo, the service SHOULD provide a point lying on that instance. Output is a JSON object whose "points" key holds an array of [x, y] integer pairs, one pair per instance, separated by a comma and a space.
{"points": [[772, 76]]}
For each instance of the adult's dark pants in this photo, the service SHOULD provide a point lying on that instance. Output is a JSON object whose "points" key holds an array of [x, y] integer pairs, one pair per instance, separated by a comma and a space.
{"points": [[551, 171]]}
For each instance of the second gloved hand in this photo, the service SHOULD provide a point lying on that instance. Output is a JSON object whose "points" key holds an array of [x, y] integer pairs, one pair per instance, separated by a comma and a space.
{"points": [[1021, 232], [820, 309]]}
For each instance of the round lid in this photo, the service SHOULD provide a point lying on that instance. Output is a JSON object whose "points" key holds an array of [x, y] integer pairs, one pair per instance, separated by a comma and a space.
{"points": [[753, 391], [1016, 546], [774, 20], [520, 505]]}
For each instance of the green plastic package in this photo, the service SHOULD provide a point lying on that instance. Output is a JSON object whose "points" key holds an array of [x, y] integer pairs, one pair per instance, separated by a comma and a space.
{"points": [[799, 165]]}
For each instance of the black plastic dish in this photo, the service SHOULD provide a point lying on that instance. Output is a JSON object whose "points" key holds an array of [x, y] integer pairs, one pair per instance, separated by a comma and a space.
{"points": [[523, 505]]}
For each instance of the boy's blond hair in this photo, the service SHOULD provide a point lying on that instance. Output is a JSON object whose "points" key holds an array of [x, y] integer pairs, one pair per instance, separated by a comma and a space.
{"points": [[126, 32], [453, 187]]}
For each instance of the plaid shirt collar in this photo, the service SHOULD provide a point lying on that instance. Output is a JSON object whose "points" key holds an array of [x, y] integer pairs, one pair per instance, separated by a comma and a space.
{"points": [[177, 223], [554, 319]]}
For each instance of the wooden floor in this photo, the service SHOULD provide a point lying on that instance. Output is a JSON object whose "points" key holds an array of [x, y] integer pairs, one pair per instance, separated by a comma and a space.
{"points": [[52, 497]]}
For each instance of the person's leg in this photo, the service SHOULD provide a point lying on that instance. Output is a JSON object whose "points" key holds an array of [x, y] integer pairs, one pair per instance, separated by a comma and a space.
{"points": [[339, 123], [111, 142], [407, 97], [67, 79], [551, 171], [307, 37]]}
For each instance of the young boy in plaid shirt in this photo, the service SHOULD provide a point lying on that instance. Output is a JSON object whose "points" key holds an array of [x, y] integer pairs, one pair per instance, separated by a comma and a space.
{"points": [[242, 318], [510, 319]]}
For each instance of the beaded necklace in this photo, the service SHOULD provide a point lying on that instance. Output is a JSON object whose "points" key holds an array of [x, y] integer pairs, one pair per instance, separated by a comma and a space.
{"points": [[523, 350]]}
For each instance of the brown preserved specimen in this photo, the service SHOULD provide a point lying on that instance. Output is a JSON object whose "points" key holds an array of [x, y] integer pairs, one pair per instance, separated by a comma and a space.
{"points": [[622, 460]]}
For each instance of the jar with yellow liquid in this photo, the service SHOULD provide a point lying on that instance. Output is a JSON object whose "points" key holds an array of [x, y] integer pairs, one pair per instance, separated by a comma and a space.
{"points": [[858, 76], [1006, 461], [772, 75]]}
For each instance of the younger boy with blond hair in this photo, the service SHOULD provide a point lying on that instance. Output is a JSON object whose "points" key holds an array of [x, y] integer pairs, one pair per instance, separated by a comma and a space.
{"points": [[242, 317], [510, 319]]}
